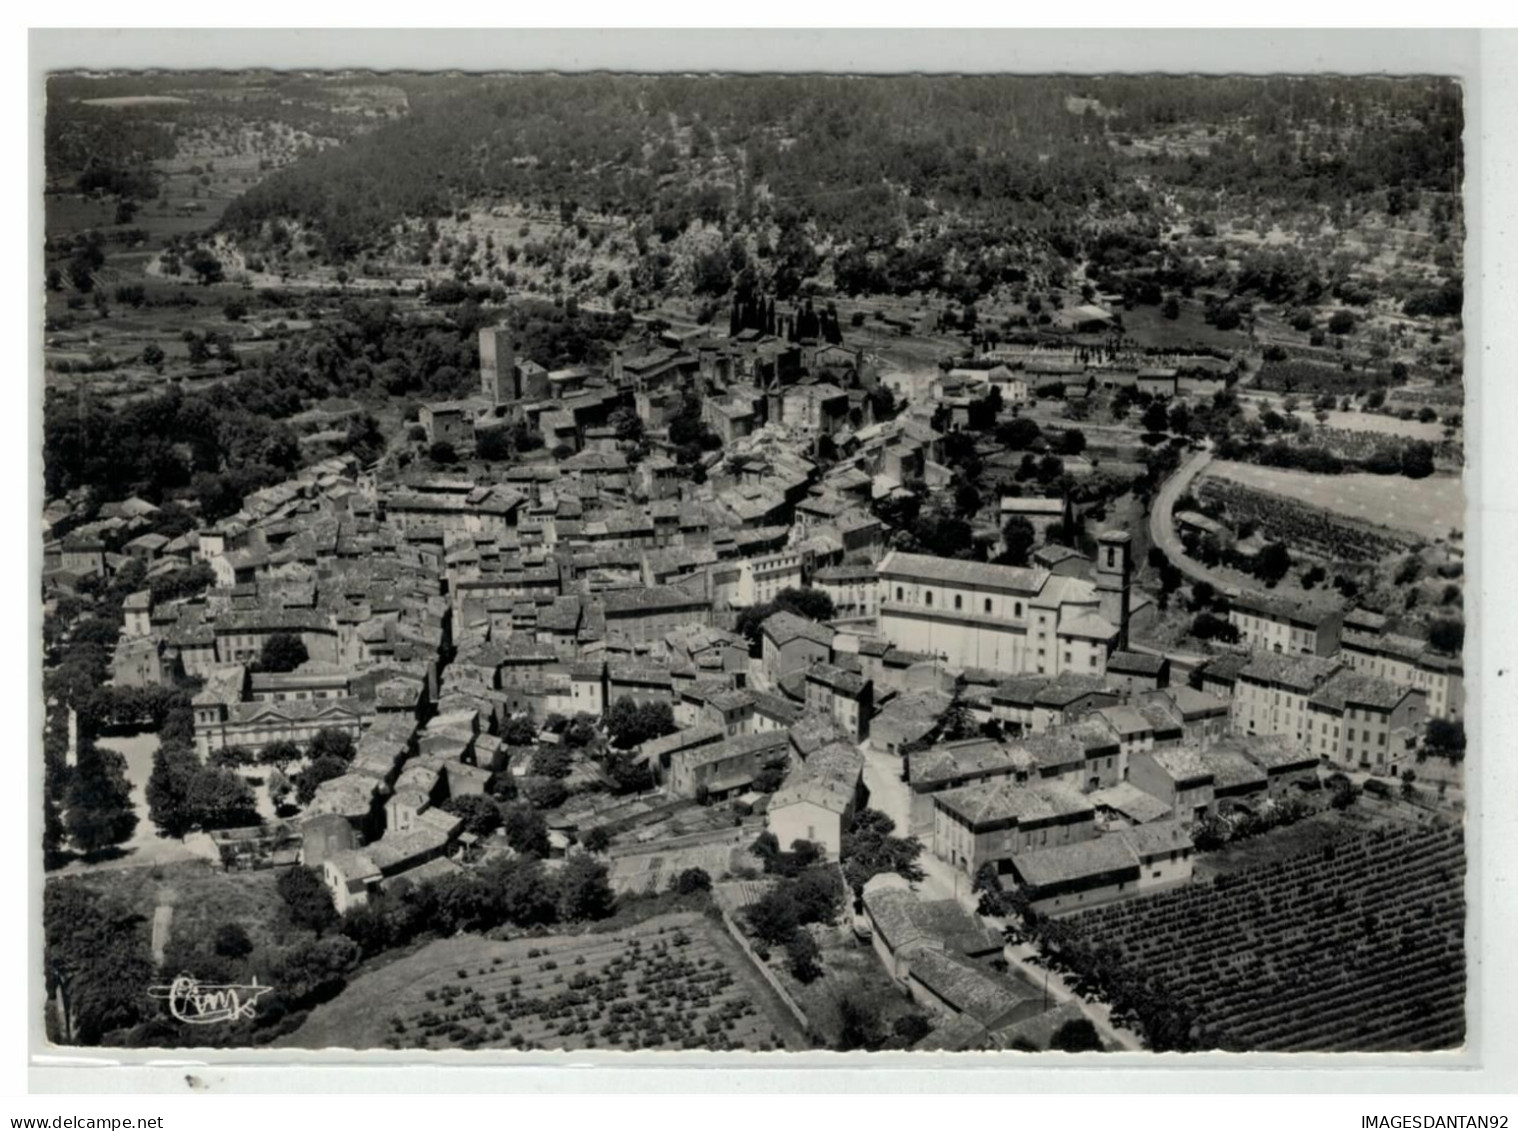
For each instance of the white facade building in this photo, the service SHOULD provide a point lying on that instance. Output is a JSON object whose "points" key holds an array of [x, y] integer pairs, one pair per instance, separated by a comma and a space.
{"points": [[1007, 618]]}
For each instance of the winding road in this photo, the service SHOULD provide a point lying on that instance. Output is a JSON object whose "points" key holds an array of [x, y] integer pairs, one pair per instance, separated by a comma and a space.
{"points": [[1162, 522]]}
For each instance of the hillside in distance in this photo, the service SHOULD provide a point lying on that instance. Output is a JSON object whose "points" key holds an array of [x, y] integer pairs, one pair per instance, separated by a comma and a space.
{"points": [[955, 185]]}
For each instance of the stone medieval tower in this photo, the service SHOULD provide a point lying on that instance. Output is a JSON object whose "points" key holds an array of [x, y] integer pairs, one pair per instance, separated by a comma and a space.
{"points": [[498, 365]]}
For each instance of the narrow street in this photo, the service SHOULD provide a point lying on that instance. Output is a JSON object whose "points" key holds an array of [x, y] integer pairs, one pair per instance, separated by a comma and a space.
{"points": [[893, 797]]}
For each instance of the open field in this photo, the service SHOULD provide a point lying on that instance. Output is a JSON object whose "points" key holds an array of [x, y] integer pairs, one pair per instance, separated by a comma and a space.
{"points": [[1376, 422], [67, 214], [1147, 326], [1429, 508], [203, 899], [1379, 423], [676, 981]]}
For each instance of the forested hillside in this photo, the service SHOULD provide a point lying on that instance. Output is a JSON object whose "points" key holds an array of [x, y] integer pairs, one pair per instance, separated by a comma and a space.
{"points": [[119, 134], [901, 184]]}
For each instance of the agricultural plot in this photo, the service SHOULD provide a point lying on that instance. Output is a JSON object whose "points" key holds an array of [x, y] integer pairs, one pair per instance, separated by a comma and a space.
{"points": [[1377, 423], [1148, 327], [1306, 378], [674, 982], [1354, 946], [652, 871], [1428, 508], [1304, 528]]}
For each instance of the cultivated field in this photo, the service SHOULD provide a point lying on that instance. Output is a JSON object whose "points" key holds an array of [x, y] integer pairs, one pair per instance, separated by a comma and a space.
{"points": [[1429, 508], [1356, 946], [652, 871], [1377, 422], [674, 982]]}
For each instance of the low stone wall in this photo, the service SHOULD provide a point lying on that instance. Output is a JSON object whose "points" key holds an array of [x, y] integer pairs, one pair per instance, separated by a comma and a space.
{"points": [[766, 973]]}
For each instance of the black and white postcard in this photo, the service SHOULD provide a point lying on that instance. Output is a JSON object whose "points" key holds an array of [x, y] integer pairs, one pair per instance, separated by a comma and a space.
{"points": [[618, 561]]}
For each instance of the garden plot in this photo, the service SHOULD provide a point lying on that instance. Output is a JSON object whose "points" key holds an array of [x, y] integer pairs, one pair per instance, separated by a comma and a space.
{"points": [[674, 982], [652, 871]]}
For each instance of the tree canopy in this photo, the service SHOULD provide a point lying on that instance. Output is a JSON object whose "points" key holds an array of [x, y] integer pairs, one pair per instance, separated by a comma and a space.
{"points": [[630, 723], [813, 604], [282, 652]]}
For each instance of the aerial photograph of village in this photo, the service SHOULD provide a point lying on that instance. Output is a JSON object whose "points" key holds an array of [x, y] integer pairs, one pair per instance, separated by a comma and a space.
{"points": [[669, 563]]}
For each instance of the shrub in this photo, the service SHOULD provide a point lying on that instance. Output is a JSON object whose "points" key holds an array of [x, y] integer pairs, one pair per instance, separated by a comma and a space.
{"points": [[1076, 1035]]}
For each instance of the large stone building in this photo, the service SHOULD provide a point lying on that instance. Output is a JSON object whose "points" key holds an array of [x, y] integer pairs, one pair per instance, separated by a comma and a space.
{"points": [[763, 577], [1272, 624], [1007, 618], [1355, 719], [648, 613], [1407, 662], [1270, 693], [1131, 862], [989, 822], [853, 589]]}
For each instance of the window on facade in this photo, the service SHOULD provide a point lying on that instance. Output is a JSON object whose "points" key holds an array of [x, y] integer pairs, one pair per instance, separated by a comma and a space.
{"points": [[927, 598], [898, 592], [959, 601], [1017, 608]]}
